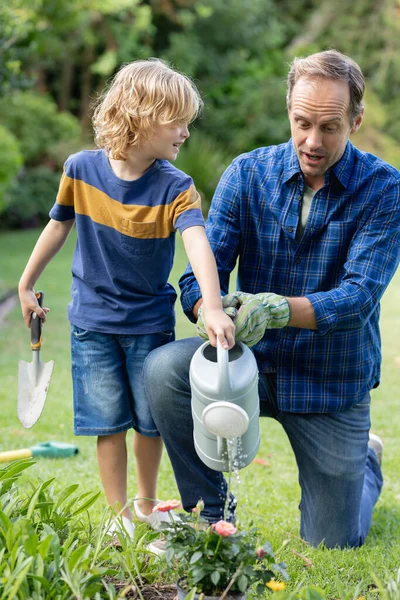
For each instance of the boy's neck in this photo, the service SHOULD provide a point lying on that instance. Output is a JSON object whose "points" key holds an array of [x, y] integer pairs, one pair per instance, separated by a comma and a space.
{"points": [[132, 168]]}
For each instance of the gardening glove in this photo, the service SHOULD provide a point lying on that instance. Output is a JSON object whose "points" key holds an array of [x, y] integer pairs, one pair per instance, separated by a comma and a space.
{"points": [[250, 319], [264, 311]]}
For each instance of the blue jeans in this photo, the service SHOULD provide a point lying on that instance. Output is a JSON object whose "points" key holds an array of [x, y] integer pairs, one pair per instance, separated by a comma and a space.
{"points": [[107, 380], [339, 475]]}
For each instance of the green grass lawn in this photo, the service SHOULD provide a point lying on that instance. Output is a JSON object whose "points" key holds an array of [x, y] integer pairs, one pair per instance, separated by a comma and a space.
{"points": [[268, 494]]}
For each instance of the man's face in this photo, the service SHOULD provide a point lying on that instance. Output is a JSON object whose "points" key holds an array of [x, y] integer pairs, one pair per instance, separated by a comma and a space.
{"points": [[320, 125]]}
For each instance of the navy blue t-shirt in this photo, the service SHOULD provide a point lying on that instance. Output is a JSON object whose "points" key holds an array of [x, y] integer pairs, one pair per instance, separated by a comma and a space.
{"points": [[125, 242]]}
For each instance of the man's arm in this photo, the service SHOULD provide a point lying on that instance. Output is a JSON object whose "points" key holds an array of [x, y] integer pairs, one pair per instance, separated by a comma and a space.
{"points": [[301, 313]]}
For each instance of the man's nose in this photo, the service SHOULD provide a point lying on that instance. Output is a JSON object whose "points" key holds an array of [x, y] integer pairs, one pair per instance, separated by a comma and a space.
{"points": [[185, 132], [314, 138]]}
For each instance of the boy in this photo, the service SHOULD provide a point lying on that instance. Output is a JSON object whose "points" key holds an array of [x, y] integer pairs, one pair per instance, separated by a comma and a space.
{"points": [[127, 200]]}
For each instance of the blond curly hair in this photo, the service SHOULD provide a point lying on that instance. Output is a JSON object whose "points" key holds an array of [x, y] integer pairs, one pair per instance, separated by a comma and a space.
{"points": [[143, 95]]}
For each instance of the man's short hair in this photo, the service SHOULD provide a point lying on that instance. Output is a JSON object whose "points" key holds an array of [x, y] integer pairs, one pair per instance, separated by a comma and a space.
{"points": [[330, 64], [142, 95]]}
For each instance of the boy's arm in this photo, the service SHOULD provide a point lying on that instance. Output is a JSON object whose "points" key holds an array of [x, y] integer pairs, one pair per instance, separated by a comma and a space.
{"points": [[202, 260], [51, 240]]}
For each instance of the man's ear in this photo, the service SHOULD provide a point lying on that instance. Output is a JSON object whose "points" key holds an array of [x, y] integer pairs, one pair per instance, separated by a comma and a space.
{"points": [[357, 122]]}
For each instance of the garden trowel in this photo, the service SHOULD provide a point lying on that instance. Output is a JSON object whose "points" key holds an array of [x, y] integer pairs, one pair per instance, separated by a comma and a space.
{"points": [[33, 378]]}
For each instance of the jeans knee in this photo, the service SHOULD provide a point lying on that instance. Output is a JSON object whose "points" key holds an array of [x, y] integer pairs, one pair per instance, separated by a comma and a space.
{"points": [[166, 373]]}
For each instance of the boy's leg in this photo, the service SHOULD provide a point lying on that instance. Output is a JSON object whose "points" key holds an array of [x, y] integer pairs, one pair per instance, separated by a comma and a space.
{"points": [[339, 475], [166, 378], [148, 452], [102, 406], [112, 461], [147, 443]]}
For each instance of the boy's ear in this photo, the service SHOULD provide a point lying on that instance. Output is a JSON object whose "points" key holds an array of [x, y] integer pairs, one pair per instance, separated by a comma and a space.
{"points": [[357, 122]]}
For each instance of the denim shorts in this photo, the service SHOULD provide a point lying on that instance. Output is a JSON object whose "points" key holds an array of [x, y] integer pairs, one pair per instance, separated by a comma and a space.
{"points": [[109, 395]]}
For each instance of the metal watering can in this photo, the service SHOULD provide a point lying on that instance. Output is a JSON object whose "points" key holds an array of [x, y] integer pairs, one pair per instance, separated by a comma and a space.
{"points": [[225, 405]]}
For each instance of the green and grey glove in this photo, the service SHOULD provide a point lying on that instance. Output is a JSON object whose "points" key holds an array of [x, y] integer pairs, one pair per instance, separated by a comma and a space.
{"points": [[278, 308]]}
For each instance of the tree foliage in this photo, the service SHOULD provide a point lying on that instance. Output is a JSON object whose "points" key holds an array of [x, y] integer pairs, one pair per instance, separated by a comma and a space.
{"points": [[236, 51]]}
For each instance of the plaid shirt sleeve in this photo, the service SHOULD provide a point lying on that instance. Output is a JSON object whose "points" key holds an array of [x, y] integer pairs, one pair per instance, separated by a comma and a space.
{"points": [[373, 258]]}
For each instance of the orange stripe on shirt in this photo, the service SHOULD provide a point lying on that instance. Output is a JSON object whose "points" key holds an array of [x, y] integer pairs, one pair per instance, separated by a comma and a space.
{"points": [[133, 220]]}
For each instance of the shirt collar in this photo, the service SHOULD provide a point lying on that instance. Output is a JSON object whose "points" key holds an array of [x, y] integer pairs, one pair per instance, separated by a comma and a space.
{"points": [[291, 164], [342, 169]]}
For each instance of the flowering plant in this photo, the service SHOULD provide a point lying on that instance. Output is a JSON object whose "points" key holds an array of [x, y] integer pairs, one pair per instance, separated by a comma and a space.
{"points": [[217, 559]]}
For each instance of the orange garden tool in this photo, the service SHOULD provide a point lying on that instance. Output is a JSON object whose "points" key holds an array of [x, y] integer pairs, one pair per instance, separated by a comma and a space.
{"points": [[33, 378]]}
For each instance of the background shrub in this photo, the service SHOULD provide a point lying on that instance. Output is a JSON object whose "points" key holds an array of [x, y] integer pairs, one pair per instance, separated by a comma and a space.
{"points": [[34, 120], [30, 197], [10, 161]]}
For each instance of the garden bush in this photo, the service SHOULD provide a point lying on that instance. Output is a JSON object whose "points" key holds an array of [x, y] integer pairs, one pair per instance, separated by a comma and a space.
{"points": [[10, 161], [29, 198], [202, 159], [34, 120]]}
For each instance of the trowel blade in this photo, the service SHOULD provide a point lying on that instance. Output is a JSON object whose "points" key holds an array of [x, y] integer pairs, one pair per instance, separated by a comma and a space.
{"points": [[33, 385]]}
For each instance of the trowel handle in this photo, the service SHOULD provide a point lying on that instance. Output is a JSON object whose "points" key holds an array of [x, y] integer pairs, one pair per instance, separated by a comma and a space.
{"points": [[36, 325], [224, 386]]}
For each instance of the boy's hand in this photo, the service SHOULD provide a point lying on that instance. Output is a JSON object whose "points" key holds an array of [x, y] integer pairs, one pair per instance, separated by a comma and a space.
{"points": [[29, 305], [215, 324]]}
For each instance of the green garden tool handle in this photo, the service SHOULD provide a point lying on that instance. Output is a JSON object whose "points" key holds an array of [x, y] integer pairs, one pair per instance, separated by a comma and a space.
{"points": [[36, 325]]}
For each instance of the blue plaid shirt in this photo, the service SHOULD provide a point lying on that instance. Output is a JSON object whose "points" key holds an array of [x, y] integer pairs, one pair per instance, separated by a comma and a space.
{"points": [[343, 263]]}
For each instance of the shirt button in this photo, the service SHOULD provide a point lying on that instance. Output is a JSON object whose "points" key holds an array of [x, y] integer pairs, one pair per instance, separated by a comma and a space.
{"points": [[290, 229], [298, 261]]}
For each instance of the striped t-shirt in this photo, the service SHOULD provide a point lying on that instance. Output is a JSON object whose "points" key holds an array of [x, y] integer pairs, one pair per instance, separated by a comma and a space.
{"points": [[125, 242]]}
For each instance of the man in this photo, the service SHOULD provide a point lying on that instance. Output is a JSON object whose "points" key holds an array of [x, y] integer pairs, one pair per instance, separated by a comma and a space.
{"points": [[316, 222]]}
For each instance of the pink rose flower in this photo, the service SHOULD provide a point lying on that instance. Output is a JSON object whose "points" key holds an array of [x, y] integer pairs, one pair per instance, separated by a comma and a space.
{"points": [[260, 553], [223, 528], [167, 506]]}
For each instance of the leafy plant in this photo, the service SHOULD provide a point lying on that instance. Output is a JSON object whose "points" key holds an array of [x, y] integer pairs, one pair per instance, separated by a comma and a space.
{"points": [[218, 557], [204, 161], [30, 197], [10, 161], [34, 120]]}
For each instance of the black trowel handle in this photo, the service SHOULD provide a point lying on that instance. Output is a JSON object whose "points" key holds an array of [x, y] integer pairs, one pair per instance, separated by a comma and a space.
{"points": [[36, 325]]}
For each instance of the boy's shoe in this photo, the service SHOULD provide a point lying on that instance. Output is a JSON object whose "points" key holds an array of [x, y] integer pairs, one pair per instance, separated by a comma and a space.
{"points": [[157, 546], [376, 444], [155, 519], [120, 525]]}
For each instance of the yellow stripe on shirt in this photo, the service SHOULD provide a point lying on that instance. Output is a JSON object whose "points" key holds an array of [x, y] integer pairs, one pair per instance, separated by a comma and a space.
{"points": [[133, 220]]}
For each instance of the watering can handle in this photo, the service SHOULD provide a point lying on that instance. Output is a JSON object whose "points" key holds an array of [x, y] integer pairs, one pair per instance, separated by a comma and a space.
{"points": [[224, 386]]}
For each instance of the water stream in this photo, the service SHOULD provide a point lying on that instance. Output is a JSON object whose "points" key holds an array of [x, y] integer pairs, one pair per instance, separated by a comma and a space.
{"points": [[233, 454]]}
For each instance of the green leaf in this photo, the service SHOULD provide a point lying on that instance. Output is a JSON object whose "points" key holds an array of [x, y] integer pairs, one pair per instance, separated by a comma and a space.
{"points": [[65, 494], [243, 583], [77, 556], [30, 542], [198, 575], [85, 505], [195, 557], [215, 577]]}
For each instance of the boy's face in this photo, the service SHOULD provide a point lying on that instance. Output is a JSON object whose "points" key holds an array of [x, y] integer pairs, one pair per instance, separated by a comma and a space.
{"points": [[165, 142]]}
